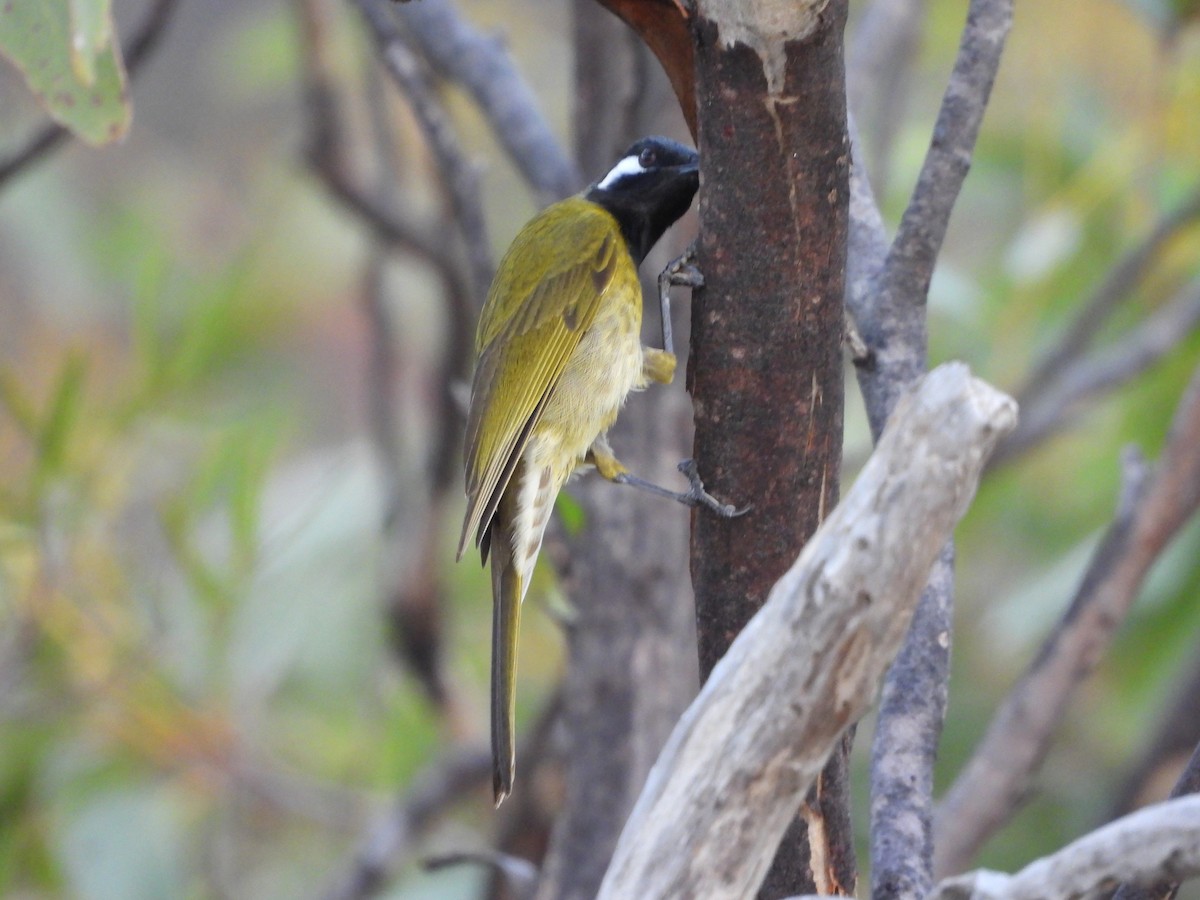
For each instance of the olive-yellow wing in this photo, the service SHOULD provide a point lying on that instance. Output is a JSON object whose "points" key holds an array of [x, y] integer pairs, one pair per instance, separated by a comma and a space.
{"points": [[545, 296]]}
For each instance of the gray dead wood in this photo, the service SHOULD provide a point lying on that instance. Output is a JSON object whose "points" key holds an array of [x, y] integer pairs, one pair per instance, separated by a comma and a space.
{"points": [[809, 663], [1155, 843]]}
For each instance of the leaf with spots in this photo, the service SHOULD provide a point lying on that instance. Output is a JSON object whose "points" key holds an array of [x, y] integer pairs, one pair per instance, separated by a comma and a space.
{"points": [[67, 52]]}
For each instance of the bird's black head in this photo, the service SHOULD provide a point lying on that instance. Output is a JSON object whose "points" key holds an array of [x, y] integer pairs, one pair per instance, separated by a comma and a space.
{"points": [[647, 190]]}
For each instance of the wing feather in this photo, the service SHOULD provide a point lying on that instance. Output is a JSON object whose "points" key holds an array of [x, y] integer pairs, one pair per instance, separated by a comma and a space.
{"points": [[531, 324]]}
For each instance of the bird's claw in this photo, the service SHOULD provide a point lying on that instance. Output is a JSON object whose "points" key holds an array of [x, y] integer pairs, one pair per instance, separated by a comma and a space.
{"points": [[698, 496], [682, 271]]}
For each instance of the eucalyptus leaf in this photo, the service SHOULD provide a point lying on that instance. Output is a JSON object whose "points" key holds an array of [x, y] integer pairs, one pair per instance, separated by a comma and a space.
{"points": [[67, 53], [91, 35]]}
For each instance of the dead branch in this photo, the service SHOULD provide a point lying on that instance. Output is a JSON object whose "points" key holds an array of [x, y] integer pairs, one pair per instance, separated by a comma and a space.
{"points": [[327, 155], [1188, 783], [480, 63], [809, 663], [923, 226], [414, 603], [992, 784], [1155, 843], [1095, 312], [879, 71], [1091, 376], [460, 175]]}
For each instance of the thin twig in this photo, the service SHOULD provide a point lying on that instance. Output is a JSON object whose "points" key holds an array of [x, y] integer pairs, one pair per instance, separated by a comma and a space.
{"points": [[385, 221], [382, 370], [390, 840], [923, 226], [327, 156], [51, 136], [1104, 371], [1117, 287], [1160, 841], [461, 176], [993, 783], [878, 74], [480, 63], [1188, 783]]}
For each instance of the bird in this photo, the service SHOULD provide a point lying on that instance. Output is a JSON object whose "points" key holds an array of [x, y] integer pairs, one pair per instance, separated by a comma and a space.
{"points": [[559, 349]]}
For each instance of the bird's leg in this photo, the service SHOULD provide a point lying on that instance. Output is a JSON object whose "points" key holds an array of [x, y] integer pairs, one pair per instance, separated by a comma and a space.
{"points": [[612, 469], [681, 272]]}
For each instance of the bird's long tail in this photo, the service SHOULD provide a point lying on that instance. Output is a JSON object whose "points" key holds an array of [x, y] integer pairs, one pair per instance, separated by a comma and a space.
{"points": [[506, 620], [516, 538]]}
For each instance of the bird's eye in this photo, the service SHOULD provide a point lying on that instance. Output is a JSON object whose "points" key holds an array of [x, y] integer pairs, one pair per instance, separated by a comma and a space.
{"points": [[647, 158]]}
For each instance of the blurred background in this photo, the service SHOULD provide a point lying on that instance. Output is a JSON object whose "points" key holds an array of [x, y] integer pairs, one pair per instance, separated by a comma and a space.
{"points": [[221, 424]]}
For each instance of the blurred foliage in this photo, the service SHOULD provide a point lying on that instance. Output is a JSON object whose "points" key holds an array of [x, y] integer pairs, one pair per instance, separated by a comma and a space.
{"points": [[67, 53], [197, 697]]}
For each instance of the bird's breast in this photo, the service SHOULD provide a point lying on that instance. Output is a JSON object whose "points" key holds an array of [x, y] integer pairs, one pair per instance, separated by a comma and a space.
{"points": [[605, 367]]}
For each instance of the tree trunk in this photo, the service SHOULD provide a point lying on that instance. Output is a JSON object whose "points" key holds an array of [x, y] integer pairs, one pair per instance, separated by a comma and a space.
{"points": [[766, 370]]}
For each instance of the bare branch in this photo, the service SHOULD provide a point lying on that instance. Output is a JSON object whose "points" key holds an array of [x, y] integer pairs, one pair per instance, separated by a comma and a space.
{"points": [[1188, 783], [390, 840], [923, 226], [809, 663], [1117, 287], [327, 155], [1158, 842], [912, 710], [992, 784], [461, 177], [1104, 371], [913, 704], [51, 136], [878, 72], [414, 604], [480, 64]]}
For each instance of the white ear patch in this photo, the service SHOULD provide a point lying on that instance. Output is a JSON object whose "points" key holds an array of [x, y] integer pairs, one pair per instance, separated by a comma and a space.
{"points": [[625, 168]]}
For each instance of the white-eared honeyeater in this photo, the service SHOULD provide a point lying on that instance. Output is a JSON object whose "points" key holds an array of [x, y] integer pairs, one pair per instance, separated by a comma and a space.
{"points": [[559, 344]]}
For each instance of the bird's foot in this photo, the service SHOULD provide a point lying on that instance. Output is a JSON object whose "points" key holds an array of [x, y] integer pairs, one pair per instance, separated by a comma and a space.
{"points": [[697, 496]]}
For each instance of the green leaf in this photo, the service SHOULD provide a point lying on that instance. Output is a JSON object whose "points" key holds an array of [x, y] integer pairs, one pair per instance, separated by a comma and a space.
{"points": [[66, 51], [61, 416], [91, 35]]}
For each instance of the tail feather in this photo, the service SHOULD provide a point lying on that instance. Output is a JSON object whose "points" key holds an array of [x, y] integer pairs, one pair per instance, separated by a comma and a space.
{"points": [[514, 538], [506, 620]]}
